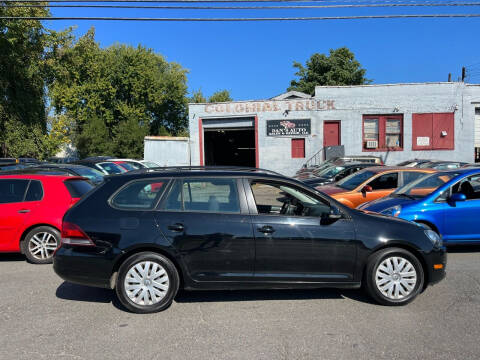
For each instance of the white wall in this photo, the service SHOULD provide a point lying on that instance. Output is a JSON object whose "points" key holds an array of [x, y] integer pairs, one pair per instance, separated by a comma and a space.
{"points": [[167, 151]]}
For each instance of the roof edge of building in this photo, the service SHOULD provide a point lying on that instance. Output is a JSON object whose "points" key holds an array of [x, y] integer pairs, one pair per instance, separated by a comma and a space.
{"points": [[168, 138], [392, 84]]}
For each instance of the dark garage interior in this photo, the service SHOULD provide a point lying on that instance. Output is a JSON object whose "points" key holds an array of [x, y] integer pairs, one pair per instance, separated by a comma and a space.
{"points": [[230, 147]]}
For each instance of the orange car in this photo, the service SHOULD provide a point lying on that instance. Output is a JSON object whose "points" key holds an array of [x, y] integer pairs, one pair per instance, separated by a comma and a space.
{"points": [[371, 183]]}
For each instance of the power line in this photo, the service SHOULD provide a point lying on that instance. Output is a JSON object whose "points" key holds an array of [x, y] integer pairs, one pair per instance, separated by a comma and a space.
{"points": [[254, 7], [101, 18], [217, 1]]}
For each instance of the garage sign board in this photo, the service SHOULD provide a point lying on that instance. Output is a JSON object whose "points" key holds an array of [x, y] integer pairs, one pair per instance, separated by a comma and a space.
{"points": [[288, 127]]}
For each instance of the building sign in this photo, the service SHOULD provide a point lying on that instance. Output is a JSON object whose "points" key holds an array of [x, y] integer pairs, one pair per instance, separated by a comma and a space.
{"points": [[288, 127], [269, 106], [423, 141]]}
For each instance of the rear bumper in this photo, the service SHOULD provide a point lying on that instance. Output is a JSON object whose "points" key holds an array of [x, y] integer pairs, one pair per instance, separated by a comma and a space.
{"points": [[436, 257], [79, 266]]}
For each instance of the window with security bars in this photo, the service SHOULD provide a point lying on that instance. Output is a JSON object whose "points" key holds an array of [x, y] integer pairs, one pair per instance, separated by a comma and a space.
{"points": [[382, 132]]}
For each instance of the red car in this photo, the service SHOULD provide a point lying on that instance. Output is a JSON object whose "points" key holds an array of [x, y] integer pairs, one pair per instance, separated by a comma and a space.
{"points": [[31, 212]]}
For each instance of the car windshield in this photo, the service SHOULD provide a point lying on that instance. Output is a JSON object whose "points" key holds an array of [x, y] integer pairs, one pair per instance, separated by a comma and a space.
{"points": [[135, 165], [91, 174], [329, 172], [111, 168], [127, 166], [425, 165], [425, 185], [150, 164], [354, 180]]}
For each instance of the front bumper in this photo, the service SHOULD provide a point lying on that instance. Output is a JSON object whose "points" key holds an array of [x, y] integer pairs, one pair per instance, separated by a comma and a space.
{"points": [[436, 263]]}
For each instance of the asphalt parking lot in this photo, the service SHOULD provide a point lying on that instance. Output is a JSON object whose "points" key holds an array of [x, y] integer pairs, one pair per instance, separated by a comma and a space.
{"points": [[44, 318]]}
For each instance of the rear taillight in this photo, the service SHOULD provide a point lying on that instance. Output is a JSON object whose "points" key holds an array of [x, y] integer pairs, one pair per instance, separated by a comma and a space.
{"points": [[73, 235]]}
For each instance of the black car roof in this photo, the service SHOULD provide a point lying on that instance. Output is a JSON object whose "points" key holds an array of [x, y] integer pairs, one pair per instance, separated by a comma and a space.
{"points": [[198, 171]]}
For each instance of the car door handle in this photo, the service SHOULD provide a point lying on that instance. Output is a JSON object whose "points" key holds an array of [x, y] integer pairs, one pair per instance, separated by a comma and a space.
{"points": [[266, 229], [23, 211], [176, 227]]}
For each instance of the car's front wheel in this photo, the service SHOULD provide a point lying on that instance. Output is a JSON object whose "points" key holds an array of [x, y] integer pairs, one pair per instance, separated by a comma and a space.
{"points": [[147, 282], [40, 243], [394, 276]]}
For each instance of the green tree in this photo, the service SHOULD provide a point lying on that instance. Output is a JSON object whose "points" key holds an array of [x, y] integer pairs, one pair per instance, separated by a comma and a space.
{"points": [[117, 95], [338, 68], [22, 88], [220, 96], [197, 97]]}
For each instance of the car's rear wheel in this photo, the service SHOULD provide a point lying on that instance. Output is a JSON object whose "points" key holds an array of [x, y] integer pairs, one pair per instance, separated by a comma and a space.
{"points": [[394, 276], [147, 282], [40, 243]]}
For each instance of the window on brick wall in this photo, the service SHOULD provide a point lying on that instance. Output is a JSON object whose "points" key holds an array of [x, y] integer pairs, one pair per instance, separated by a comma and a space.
{"points": [[382, 132], [433, 131], [298, 148]]}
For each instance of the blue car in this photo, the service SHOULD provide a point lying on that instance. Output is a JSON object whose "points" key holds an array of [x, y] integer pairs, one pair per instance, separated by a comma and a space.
{"points": [[447, 202]]}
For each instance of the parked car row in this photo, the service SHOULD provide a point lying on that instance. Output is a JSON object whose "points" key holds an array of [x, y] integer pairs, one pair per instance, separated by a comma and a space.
{"points": [[148, 233], [34, 196]]}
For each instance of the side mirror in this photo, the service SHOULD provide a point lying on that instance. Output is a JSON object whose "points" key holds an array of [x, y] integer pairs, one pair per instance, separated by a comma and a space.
{"points": [[332, 216], [365, 189], [338, 178], [456, 197]]}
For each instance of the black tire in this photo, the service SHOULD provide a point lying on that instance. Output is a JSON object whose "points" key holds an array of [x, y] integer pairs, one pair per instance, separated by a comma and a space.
{"points": [[370, 275], [30, 248], [169, 295]]}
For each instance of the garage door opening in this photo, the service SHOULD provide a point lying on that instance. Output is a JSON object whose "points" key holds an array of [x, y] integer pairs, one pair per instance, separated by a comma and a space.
{"points": [[230, 147]]}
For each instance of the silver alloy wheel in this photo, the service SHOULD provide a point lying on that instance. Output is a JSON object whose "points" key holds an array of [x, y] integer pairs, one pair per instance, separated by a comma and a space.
{"points": [[42, 245], [146, 283], [396, 277]]}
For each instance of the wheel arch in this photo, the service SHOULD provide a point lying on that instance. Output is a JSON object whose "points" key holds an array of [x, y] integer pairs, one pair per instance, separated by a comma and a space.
{"points": [[136, 250], [409, 248], [30, 228]]}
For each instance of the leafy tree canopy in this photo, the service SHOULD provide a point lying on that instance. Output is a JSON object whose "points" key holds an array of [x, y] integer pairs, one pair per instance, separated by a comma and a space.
{"points": [[117, 95], [218, 96], [22, 91], [338, 68]]}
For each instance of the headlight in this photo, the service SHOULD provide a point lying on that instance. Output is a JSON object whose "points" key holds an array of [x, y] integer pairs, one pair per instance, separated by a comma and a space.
{"points": [[434, 237], [392, 211]]}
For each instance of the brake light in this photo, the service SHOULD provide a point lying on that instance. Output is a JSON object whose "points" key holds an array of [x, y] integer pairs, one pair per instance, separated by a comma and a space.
{"points": [[73, 235]]}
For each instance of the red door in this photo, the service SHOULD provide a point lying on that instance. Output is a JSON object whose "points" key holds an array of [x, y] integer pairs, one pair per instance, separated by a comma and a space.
{"points": [[331, 133]]}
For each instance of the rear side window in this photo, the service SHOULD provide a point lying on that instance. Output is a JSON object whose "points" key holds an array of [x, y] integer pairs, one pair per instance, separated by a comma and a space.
{"points": [[139, 195], [35, 191], [12, 191], [78, 188], [205, 195], [384, 182]]}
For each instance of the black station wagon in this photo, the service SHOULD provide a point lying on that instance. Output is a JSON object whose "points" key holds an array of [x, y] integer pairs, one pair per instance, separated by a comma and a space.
{"points": [[149, 232]]}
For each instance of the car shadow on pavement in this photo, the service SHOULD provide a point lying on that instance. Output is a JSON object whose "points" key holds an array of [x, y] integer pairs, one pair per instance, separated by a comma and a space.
{"points": [[12, 257], [74, 292], [276, 295]]}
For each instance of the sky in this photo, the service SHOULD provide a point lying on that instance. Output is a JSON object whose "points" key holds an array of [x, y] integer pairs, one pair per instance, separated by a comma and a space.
{"points": [[254, 60]]}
